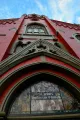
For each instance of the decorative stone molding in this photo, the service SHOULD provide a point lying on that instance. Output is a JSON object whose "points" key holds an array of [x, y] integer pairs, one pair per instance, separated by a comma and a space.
{"points": [[18, 43], [7, 80], [38, 36], [38, 46], [34, 17], [67, 25], [8, 21]]}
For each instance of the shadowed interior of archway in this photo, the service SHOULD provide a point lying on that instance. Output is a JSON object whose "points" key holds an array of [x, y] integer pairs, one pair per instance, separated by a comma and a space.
{"points": [[42, 98]]}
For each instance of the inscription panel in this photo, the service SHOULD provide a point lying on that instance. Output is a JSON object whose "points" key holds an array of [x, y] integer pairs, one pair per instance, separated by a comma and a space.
{"points": [[44, 97]]}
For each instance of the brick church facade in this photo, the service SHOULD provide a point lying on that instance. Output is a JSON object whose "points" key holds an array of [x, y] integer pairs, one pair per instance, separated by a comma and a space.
{"points": [[39, 69]]}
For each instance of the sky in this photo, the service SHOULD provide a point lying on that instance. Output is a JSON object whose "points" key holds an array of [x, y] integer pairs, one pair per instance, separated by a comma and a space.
{"points": [[62, 10]]}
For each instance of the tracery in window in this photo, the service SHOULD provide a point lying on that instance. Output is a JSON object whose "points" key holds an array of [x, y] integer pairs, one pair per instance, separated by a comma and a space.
{"points": [[36, 29], [44, 97]]}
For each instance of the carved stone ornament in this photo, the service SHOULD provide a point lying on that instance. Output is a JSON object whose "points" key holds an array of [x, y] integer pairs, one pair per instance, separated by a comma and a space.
{"points": [[34, 17], [18, 43], [39, 47]]}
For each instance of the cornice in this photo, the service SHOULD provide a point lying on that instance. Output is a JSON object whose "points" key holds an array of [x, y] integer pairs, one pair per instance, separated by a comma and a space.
{"points": [[8, 21], [67, 25]]}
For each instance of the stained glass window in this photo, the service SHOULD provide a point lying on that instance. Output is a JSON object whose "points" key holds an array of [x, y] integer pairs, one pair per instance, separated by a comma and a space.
{"points": [[43, 97], [36, 29]]}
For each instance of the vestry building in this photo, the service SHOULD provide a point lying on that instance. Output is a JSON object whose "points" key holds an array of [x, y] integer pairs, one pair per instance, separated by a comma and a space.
{"points": [[39, 69]]}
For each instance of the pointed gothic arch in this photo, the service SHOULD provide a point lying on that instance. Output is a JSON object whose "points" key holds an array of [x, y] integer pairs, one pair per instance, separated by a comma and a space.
{"points": [[31, 80], [39, 48], [10, 78]]}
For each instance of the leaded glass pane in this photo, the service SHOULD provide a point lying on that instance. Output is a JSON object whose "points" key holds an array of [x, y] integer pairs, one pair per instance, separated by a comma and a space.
{"points": [[36, 29], [41, 31], [22, 103], [29, 30], [67, 99], [44, 97], [46, 105], [45, 87]]}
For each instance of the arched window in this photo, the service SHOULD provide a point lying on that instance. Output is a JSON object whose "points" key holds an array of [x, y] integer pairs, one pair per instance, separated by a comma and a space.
{"points": [[78, 36], [44, 98], [36, 29]]}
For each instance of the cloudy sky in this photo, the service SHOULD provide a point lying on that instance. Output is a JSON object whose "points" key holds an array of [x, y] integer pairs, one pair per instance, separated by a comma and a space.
{"points": [[63, 10]]}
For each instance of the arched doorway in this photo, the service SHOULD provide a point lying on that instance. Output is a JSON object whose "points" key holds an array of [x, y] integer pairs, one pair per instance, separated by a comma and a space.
{"points": [[43, 95]]}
